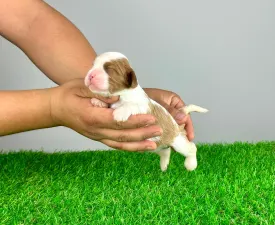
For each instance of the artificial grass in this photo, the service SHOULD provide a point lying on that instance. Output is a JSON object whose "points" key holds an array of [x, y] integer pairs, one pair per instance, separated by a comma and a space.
{"points": [[233, 184]]}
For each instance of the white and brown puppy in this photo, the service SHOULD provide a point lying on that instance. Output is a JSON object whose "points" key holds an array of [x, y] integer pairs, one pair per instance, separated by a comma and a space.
{"points": [[112, 75]]}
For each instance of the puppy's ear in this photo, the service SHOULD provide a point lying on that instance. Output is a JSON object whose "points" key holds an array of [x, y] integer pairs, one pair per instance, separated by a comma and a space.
{"points": [[131, 79]]}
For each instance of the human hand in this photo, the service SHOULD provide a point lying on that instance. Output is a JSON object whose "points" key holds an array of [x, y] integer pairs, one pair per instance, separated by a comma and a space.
{"points": [[71, 107], [172, 102]]}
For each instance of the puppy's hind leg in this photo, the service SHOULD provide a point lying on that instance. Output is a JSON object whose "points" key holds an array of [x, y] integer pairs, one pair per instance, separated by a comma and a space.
{"points": [[164, 158], [188, 149]]}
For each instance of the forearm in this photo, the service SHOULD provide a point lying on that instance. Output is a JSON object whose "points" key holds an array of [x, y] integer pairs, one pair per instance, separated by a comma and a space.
{"points": [[50, 40], [25, 111]]}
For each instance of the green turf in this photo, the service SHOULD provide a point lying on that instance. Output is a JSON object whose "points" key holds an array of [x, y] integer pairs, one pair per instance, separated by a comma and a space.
{"points": [[233, 184]]}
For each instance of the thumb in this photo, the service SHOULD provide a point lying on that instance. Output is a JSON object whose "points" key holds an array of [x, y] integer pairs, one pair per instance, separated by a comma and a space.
{"points": [[177, 114], [108, 100], [85, 92]]}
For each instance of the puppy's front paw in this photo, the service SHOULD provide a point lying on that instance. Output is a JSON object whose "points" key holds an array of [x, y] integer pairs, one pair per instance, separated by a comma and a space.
{"points": [[164, 165], [121, 114], [98, 103]]}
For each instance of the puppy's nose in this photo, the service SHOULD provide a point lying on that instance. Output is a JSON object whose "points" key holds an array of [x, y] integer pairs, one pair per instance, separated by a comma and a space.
{"points": [[94, 73]]}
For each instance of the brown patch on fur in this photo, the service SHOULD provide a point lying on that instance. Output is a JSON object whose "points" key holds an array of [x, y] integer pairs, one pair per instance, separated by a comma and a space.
{"points": [[121, 75], [165, 121]]}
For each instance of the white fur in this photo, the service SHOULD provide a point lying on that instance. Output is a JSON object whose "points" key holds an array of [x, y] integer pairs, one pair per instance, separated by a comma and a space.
{"points": [[98, 64], [154, 139], [125, 107], [188, 149], [164, 158], [135, 101], [194, 108], [105, 84]]}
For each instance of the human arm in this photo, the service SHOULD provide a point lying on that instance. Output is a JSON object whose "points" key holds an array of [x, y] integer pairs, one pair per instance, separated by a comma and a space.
{"points": [[25, 111], [53, 43], [57, 47], [69, 105]]}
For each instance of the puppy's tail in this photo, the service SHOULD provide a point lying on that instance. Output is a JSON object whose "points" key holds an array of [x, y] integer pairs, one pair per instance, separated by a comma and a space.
{"points": [[193, 108]]}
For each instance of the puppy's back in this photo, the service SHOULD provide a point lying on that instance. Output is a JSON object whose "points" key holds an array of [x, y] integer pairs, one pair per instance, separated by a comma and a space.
{"points": [[164, 119]]}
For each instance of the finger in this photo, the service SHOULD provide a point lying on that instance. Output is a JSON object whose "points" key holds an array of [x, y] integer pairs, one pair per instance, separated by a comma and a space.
{"points": [[189, 129], [108, 100], [176, 102], [130, 135], [131, 146], [178, 115], [104, 119]]}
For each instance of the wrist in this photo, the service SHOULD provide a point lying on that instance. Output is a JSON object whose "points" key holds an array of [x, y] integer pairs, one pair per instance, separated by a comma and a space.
{"points": [[54, 105], [25, 110]]}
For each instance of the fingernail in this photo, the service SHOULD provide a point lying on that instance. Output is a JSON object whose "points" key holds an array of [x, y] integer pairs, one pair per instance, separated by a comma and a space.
{"points": [[180, 116], [150, 122], [150, 148], [158, 133]]}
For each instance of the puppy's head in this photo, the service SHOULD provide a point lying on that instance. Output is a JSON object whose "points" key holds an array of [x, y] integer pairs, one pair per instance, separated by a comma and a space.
{"points": [[110, 75]]}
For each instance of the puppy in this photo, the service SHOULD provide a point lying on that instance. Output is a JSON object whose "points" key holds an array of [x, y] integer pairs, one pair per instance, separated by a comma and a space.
{"points": [[112, 75]]}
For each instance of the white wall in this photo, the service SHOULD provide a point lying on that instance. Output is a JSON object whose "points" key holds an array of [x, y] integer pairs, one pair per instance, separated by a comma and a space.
{"points": [[217, 54]]}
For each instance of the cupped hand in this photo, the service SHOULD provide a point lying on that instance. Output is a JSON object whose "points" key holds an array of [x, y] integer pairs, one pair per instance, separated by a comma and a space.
{"points": [[71, 107], [172, 102]]}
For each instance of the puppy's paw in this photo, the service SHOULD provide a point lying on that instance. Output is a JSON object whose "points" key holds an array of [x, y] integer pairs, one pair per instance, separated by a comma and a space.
{"points": [[164, 165], [98, 103], [164, 158], [121, 114], [191, 163]]}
